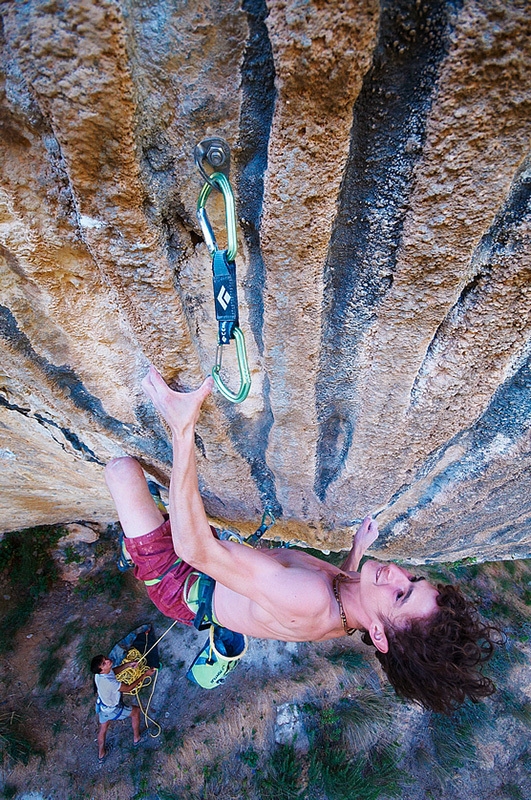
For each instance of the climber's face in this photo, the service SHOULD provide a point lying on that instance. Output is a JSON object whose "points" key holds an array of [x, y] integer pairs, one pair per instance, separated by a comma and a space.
{"points": [[391, 594]]}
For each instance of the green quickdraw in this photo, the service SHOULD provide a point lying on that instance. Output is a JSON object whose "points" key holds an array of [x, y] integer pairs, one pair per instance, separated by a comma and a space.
{"points": [[268, 519], [217, 152]]}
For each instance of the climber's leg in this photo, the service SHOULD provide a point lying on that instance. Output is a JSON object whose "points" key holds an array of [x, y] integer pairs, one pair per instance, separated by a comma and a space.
{"points": [[137, 510]]}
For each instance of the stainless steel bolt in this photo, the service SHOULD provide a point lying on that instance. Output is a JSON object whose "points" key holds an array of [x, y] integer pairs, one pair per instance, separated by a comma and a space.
{"points": [[215, 155]]}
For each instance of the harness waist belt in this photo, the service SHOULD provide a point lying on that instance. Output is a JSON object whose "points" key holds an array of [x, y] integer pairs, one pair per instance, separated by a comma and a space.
{"points": [[154, 581]]}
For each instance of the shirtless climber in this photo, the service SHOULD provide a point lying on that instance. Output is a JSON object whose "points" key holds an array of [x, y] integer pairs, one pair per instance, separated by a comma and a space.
{"points": [[428, 639]]}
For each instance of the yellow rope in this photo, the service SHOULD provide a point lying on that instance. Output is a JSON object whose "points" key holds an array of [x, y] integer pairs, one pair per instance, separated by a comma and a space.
{"points": [[131, 674]]}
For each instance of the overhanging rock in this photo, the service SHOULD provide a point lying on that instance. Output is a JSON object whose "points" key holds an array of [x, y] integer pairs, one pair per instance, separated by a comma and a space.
{"points": [[380, 161]]}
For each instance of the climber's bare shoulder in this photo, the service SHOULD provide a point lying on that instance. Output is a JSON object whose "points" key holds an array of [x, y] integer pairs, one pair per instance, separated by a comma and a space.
{"points": [[289, 557]]}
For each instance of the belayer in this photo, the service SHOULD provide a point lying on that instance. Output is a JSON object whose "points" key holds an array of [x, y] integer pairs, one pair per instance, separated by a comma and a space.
{"points": [[428, 639], [110, 706]]}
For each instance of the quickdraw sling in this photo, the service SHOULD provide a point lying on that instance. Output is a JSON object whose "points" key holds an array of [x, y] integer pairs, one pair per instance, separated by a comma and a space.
{"points": [[217, 152]]}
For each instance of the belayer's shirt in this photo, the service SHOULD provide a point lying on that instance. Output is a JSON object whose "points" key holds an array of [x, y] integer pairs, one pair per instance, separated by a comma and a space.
{"points": [[108, 689]]}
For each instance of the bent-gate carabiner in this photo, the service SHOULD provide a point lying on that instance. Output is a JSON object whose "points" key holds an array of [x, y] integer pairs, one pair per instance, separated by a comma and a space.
{"points": [[243, 367], [222, 183]]}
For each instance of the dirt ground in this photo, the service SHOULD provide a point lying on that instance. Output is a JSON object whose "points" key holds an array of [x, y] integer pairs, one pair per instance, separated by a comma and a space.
{"points": [[221, 743]]}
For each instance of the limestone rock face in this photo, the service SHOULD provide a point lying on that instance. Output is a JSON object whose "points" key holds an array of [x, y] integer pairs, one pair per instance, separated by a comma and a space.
{"points": [[382, 172]]}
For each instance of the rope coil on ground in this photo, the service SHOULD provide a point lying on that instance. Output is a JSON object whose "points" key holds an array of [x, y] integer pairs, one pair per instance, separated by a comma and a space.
{"points": [[131, 674]]}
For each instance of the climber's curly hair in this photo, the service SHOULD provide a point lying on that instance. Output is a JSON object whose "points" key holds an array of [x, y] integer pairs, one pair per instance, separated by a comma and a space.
{"points": [[434, 662]]}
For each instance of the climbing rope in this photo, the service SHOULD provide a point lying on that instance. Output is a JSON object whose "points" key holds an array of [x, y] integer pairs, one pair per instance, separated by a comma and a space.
{"points": [[217, 152], [132, 674]]}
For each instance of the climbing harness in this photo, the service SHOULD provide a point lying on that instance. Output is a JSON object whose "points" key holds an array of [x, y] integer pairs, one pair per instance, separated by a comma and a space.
{"points": [[223, 649], [217, 153]]}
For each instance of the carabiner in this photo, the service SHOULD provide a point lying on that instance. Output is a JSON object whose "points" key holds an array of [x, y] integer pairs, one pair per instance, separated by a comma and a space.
{"points": [[221, 182], [267, 515], [243, 366], [268, 519]]}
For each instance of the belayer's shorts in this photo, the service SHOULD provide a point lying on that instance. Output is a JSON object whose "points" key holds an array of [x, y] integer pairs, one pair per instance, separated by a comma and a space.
{"points": [[110, 713]]}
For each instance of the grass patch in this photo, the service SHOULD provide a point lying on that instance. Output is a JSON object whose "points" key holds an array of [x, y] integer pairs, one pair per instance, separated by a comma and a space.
{"points": [[52, 664], [250, 757], [453, 740], [516, 706], [340, 776], [343, 777], [71, 555], [351, 660], [108, 581], [90, 645], [28, 572], [513, 791], [350, 754], [365, 718], [55, 700], [172, 740], [357, 722], [49, 668], [15, 744], [281, 777]]}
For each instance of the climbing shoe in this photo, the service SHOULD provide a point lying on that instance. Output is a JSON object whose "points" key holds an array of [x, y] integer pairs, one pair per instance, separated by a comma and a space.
{"points": [[125, 561], [154, 490], [221, 653]]}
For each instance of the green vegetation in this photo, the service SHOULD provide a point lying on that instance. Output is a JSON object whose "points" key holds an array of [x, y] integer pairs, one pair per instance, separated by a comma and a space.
{"points": [[281, 779], [250, 757], [52, 663], [107, 580], [351, 660], [516, 706], [513, 791], [370, 775], [15, 744], [349, 754], [165, 794], [71, 555], [453, 741], [363, 741], [96, 640], [172, 740], [27, 571]]}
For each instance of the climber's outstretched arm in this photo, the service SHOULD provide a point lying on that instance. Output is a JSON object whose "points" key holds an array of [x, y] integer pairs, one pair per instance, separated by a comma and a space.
{"points": [[243, 569], [190, 529]]}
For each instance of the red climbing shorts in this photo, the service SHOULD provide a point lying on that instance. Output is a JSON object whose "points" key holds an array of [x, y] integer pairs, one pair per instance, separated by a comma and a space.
{"points": [[155, 560]]}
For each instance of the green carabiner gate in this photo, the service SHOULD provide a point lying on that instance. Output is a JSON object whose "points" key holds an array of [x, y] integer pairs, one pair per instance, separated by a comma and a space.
{"points": [[222, 183], [224, 278], [243, 366]]}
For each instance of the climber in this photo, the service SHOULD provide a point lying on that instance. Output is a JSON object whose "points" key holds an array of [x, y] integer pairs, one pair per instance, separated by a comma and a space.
{"points": [[428, 639], [110, 705]]}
